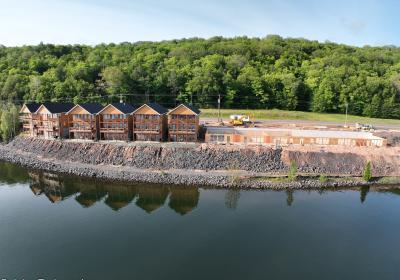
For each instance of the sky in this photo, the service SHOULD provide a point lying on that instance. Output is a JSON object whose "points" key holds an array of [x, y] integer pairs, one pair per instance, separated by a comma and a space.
{"points": [[352, 22]]}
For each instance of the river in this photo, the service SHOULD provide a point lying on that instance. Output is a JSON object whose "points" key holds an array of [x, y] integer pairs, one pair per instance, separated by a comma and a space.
{"points": [[58, 227]]}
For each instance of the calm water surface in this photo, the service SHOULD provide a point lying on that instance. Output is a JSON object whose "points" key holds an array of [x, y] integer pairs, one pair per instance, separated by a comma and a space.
{"points": [[53, 227]]}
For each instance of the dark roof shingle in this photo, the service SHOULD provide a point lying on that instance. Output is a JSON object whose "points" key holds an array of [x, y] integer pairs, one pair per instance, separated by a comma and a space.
{"points": [[92, 108], [158, 108], [197, 111], [56, 108], [33, 107], [124, 107]]}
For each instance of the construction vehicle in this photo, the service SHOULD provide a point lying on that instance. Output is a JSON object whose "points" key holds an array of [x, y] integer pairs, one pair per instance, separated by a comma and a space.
{"points": [[240, 120], [365, 127]]}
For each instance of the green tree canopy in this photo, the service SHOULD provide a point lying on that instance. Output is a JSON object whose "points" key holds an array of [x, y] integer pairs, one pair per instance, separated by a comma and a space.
{"points": [[270, 72]]}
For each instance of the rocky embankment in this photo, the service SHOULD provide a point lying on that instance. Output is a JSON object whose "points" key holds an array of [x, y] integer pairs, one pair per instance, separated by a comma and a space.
{"points": [[193, 164]]}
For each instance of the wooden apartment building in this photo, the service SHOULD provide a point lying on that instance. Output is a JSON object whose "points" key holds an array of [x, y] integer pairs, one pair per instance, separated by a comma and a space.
{"points": [[150, 123], [29, 118], [115, 122], [83, 121], [52, 120], [183, 124]]}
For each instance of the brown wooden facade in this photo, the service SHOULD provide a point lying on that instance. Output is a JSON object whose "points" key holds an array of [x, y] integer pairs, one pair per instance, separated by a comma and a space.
{"points": [[83, 121], [29, 119], [150, 123], [115, 122], [51, 120], [183, 124]]}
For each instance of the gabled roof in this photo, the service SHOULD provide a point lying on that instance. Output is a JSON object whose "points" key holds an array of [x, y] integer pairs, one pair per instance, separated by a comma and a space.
{"points": [[91, 108], [190, 107], [122, 107], [56, 108], [155, 106], [32, 107]]}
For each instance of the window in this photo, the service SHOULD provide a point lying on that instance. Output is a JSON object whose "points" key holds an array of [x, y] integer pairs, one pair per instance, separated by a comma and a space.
{"points": [[322, 141], [344, 142], [257, 139], [217, 138]]}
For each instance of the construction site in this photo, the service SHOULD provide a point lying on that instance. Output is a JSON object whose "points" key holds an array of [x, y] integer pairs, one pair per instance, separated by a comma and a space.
{"points": [[245, 129]]}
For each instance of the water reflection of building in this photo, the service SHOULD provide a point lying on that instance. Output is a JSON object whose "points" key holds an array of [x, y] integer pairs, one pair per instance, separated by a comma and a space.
{"points": [[50, 185], [90, 194], [151, 197], [232, 198], [184, 199], [87, 192], [119, 196]]}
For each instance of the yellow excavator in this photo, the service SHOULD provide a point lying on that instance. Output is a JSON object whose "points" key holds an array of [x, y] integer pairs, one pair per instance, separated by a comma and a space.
{"points": [[236, 120]]}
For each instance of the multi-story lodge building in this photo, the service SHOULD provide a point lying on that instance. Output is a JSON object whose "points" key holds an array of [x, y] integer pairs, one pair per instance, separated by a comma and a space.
{"points": [[83, 121], [29, 118], [183, 124], [53, 121], [150, 122], [115, 122]]}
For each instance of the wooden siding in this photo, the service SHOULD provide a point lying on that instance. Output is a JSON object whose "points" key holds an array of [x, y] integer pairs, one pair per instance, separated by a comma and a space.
{"points": [[148, 126], [51, 126], [115, 125], [183, 128], [30, 123], [82, 124]]}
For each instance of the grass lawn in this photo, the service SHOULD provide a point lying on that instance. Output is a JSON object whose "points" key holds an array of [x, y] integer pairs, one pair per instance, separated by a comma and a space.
{"points": [[275, 114]]}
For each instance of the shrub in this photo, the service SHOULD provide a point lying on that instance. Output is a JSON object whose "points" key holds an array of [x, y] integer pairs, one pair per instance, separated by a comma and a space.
{"points": [[292, 173], [367, 174], [323, 178]]}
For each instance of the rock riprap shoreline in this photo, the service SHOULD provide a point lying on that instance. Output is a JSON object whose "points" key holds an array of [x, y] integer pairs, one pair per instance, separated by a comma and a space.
{"points": [[190, 164]]}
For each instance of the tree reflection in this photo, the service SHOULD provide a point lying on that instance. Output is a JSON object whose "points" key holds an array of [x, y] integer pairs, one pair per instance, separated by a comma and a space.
{"points": [[232, 198], [289, 197], [363, 193], [12, 174]]}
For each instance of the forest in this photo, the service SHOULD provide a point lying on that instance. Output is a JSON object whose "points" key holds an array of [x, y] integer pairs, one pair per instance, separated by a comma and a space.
{"points": [[252, 73]]}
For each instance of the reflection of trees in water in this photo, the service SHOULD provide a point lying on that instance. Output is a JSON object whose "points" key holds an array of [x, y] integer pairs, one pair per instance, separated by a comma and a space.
{"points": [[394, 191], [232, 198], [364, 190], [289, 197], [184, 199], [12, 174], [148, 197]]}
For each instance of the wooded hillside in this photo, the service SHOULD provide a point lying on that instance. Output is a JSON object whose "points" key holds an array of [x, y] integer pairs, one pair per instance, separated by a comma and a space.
{"points": [[272, 72]]}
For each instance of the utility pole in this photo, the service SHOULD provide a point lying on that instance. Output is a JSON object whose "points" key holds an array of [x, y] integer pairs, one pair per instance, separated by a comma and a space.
{"points": [[219, 107], [345, 122]]}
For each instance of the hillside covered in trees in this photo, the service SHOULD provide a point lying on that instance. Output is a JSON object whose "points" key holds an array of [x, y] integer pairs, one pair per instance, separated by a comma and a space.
{"points": [[272, 72]]}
